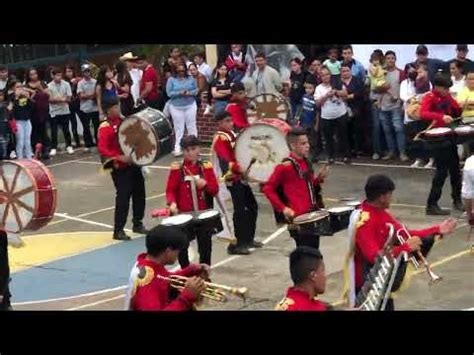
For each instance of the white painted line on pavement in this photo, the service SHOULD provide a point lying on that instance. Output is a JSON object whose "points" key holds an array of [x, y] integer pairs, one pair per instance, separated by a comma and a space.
{"points": [[94, 303]]}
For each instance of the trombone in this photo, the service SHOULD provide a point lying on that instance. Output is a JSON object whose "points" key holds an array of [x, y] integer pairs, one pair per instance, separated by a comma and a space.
{"points": [[212, 291], [432, 276]]}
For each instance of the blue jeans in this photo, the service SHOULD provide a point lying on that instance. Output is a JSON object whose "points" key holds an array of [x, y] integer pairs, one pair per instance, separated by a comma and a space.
{"points": [[23, 140], [376, 129], [296, 108], [393, 121], [220, 105]]}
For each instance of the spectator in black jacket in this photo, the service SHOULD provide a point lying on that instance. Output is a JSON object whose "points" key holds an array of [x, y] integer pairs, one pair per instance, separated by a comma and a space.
{"points": [[433, 65], [461, 56], [297, 79]]}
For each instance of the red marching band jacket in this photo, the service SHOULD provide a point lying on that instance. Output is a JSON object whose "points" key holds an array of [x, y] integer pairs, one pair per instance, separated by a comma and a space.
{"points": [[294, 187], [298, 300], [223, 145], [150, 293], [434, 107], [371, 235], [178, 188], [108, 143]]}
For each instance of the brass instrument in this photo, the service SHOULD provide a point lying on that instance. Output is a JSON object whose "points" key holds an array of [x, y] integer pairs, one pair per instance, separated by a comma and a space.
{"points": [[432, 276], [213, 291]]}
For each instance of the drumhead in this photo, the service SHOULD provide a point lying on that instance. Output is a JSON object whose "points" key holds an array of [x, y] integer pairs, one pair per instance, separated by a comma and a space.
{"points": [[267, 106], [353, 203], [208, 214], [311, 217], [177, 220], [139, 140], [341, 209], [438, 131], [264, 143], [464, 130]]}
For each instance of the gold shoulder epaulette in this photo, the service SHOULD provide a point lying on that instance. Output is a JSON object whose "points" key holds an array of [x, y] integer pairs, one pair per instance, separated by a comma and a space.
{"points": [[145, 275], [284, 304], [206, 164], [175, 165], [363, 218]]}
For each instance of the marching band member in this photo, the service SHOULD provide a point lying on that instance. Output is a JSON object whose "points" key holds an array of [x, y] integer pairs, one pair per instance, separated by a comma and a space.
{"points": [[368, 231], [293, 189], [179, 193], [146, 291], [245, 205], [237, 107], [309, 277], [128, 179], [440, 107]]}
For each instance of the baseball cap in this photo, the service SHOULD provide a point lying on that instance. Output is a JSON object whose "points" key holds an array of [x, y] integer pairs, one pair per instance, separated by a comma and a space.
{"points": [[85, 67]]}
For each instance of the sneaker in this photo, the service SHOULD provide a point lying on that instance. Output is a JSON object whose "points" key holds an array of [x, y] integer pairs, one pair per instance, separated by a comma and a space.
{"points": [[13, 155], [238, 250], [430, 164], [436, 211], [403, 157], [87, 150], [375, 156], [417, 164], [389, 156], [346, 160], [331, 161], [52, 153], [121, 236], [177, 153], [70, 150], [207, 111], [458, 206], [256, 244]]}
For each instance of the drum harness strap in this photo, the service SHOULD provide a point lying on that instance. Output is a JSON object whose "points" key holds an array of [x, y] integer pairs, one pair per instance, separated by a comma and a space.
{"points": [[192, 180]]}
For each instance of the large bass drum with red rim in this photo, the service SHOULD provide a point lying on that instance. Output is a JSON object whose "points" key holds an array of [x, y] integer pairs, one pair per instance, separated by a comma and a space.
{"points": [[262, 146], [267, 106], [28, 193]]}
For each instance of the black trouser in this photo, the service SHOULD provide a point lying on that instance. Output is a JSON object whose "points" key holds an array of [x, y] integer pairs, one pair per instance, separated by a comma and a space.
{"points": [[446, 160], [204, 243], [245, 213], [62, 120], [355, 131], [129, 183], [306, 238], [338, 126], [39, 134], [4, 273], [73, 119], [86, 119], [426, 245], [312, 137]]}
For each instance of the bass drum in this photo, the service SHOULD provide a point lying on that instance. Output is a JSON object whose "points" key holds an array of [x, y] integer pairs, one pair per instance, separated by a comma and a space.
{"points": [[267, 106], [145, 135], [28, 193], [262, 146]]}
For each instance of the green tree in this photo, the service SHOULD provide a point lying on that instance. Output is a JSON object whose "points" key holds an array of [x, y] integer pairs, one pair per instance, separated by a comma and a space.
{"points": [[157, 53]]}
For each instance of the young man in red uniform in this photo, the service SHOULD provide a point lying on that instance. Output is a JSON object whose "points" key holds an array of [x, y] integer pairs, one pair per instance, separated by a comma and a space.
{"points": [[371, 231], [127, 178], [309, 278], [245, 205], [440, 107], [179, 193], [147, 292], [238, 107], [293, 189]]}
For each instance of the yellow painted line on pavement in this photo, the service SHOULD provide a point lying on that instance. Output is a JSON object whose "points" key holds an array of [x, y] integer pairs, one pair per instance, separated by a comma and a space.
{"points": [[43, 248]]}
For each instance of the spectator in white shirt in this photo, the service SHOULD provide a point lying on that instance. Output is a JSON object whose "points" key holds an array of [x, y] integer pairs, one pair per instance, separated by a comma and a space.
{"points": [[202, 66], [457, 76]]}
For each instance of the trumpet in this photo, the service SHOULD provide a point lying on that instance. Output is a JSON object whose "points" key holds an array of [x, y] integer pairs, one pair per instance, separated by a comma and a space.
{"points": [[212, 291], [432, 276]]}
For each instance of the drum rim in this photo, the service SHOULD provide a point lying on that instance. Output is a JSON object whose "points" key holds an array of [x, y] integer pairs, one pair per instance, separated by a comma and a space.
{"points": [[447, 131], [216, 213], [156, 155], [323, 214], [178, 215], [346, 208]]}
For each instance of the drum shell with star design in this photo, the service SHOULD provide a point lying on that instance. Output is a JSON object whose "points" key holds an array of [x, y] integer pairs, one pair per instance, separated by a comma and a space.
{"points": [[30, 195]]}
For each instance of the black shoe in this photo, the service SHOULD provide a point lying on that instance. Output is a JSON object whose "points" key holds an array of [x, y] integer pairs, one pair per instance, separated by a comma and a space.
{"points": [[238, 250], [256, 244], [457, 205], [121, 236], [140, 229], [436, 211]]}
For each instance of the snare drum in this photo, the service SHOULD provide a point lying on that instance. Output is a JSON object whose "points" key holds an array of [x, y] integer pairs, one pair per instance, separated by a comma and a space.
{"points": [[464, 134], [438, 134], [208, 221], [181, 221], [339, 217], [316, 222], [144, 136]]}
